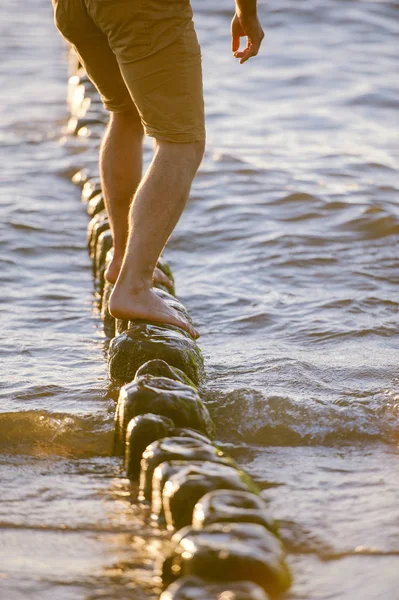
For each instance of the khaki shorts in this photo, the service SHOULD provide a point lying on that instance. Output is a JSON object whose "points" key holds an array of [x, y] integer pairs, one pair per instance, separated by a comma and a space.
{"points": [[141, 54]]}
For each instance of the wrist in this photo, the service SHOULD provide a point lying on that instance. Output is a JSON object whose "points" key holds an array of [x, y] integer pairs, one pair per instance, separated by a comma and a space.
{"points": [[246, 9]]}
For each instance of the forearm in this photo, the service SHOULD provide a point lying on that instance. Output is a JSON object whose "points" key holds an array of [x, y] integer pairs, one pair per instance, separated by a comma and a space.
{"points": [[246, 8]]}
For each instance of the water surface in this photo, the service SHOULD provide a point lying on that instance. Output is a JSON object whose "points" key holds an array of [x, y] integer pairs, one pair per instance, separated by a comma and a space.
{"points": [[287, 259]]}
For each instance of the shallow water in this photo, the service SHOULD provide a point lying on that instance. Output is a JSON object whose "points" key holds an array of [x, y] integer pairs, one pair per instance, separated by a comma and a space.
{"points": [[291, 278]]}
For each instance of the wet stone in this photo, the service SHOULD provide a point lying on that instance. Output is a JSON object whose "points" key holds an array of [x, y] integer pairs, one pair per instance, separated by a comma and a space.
{"points": [[223, 506], [174, 448], [106, 317], [147, 341], [104, 244], [141, 432], [229, 552], [186, 487], [95, 205], [165, 268], [90, 189], [165, 397], [195, 588], [162, 474], [96, 226], [160, 368]]}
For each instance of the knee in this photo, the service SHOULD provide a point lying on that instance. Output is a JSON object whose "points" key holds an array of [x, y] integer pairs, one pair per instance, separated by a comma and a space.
{"points": [[190, 154], [128, 120]]}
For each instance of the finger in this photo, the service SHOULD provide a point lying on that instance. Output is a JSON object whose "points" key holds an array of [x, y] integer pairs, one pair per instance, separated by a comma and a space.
{"points": [[250, 52], [235, 42]]}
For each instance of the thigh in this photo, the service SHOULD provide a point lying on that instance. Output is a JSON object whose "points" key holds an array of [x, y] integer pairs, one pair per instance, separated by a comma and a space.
{"points": [[92, 47], [157, 50]]}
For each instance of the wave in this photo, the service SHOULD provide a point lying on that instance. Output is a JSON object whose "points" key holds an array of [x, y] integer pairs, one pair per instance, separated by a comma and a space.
{"points": [[42, 433], [250, 417]]}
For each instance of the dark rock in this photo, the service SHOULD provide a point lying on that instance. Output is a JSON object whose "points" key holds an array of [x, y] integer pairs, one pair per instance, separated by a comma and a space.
{"points": [[140, 433], [195, 588], [146, 341], [106, 317], [164, 472], [174, 448], [95, 205], [161, 396], [229, 552], [160, 368], [222, 506], [185, 488]]}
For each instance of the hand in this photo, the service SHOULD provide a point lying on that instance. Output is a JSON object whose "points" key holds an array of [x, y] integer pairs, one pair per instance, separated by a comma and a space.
{"points": [[251, 28]]}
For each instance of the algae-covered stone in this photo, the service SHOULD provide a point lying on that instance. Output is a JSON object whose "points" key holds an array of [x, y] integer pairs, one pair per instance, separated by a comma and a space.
{"points": [[160, 368], [185, 488], [229, 552], [221, 506], [161, 396], [146, 341], [140, 433], [195, 588], [106, 317], [174, 448]]}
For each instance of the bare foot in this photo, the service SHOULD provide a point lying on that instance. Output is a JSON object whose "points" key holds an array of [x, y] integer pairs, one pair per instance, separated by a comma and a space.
{"points": [[146, 305], [111, 275]]}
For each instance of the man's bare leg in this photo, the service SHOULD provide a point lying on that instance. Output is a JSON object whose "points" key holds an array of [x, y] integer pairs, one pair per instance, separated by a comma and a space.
{"points": [[121, 163], [155, 211]]}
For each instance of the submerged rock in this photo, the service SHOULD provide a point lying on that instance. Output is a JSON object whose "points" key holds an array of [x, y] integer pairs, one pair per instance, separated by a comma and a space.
{"points": [[195, 588], [146, 341], [229, 552], [160, 368], [174, 448], [161, 396], [223, 506], [185, 488], [141, 432]]}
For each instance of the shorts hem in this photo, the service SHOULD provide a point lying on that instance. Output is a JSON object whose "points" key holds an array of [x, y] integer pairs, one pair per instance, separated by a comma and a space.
{"points": [[182, 138]]}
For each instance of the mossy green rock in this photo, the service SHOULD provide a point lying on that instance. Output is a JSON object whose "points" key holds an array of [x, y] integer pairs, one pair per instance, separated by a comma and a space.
{"points": [[104, 244], [195, 588], [223, 506], [174, 448], [186, 487], [161, 396], [229, 552], [141, 432], [146, 341]]}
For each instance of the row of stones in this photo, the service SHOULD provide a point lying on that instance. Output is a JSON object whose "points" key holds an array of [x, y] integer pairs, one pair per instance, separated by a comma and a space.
{"points": [[224, 540]]}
